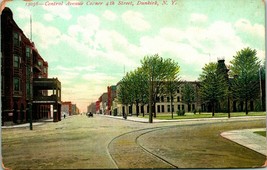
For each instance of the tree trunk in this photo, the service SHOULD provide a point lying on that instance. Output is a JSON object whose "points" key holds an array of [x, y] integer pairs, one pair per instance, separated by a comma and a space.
{"points": [[228, 105], [171, 107], [246, 106], [213, 108], [137, 109]]}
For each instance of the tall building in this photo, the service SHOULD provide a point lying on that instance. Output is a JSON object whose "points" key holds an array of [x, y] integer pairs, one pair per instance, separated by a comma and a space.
{"points": [[24, 76]]}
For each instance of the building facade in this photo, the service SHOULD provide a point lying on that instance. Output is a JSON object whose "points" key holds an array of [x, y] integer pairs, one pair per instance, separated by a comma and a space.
{"points": [[21, 64], [66, 108], [91, 108], [163, 104]]}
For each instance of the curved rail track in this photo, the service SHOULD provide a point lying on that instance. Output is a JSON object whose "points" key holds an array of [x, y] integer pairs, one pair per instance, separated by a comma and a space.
{"points": [[135, 155], [128, 150]]}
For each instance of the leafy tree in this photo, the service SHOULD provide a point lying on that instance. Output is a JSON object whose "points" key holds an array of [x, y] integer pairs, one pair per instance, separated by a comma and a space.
{"points": [[158, 71], [189, 94], [245, 70], [124, 93], [139, 87], [213, 86], [172, 80]]}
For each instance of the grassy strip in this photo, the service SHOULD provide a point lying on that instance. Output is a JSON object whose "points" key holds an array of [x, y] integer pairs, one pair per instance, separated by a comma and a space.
{"points": [[262, 133], [167, 116]]}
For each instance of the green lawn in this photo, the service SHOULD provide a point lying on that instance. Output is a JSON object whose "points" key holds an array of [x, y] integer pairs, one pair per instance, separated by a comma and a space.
{"points": [[262, 133], [167, 116]]}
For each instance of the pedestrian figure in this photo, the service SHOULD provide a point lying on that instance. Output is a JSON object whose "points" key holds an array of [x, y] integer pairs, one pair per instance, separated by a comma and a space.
{"points": [[64, 116]]}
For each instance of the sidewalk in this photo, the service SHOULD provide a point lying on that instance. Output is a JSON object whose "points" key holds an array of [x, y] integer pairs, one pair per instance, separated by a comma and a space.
{"points": [[25, 125], [248, 138], [145, 120]]}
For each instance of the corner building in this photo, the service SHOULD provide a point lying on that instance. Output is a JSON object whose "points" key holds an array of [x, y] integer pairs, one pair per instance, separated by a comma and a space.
{"points": [[21, 64]]}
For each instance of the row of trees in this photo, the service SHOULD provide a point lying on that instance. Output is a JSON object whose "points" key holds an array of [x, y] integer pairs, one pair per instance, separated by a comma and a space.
{"points": [[240, 83], [157, 77]]}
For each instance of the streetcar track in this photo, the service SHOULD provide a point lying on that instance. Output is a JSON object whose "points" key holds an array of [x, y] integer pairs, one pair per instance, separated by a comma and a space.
{"points": [[153, 129], [146, 150]]}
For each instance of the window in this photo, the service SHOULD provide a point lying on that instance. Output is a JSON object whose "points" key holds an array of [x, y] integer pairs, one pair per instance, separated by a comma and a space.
{"points": [[16, 61], [16, 83], [28, 90], [28, 52], [182, 107], [45, 70], [168, 99], [29, 71], [179, 107], [16, 39], [158, 108], [178, 91], [39, 63], [178, 99], [162, 108], [169, 108], [162, 98]]}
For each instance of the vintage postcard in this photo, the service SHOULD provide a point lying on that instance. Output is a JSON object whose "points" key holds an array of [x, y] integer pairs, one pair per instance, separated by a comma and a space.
{"points": [[127, 84]]}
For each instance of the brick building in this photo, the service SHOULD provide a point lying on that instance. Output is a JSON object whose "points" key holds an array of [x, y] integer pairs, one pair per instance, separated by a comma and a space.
{"points": [[67, 108], [21, 65]]}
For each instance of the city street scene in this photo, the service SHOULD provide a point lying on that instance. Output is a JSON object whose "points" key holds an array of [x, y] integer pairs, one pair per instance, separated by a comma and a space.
{"points": [[133, 84]]}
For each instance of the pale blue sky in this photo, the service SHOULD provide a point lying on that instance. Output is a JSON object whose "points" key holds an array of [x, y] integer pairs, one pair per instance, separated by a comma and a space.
{"points": [[89, 47]]}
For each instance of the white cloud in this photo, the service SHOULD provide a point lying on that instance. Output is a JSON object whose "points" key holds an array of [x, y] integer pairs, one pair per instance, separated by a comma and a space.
{"points": [[109, 15], [261, 55], [198, 18], [23, 13], [117, 48], [48, 17], [195, 45], [135, 20], [59, 11], [84, 30], [44, 35], [244, 25], [47, 35]]}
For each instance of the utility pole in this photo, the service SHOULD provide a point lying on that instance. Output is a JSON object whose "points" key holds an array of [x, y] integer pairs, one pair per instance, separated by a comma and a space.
{"points": [[151, 79], [150, 101], [260, 89]]}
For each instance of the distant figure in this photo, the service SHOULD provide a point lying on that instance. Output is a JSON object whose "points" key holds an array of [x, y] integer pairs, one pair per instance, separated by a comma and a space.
{"points": [[90, 114], [64, 115]]}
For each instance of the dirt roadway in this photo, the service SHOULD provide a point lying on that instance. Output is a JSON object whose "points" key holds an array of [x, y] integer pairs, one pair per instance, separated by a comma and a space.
{"points": [[100, 142]]}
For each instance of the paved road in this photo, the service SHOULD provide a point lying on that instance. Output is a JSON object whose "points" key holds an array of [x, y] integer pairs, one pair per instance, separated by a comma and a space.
{"points": [[102, 142], [187, 145]]}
